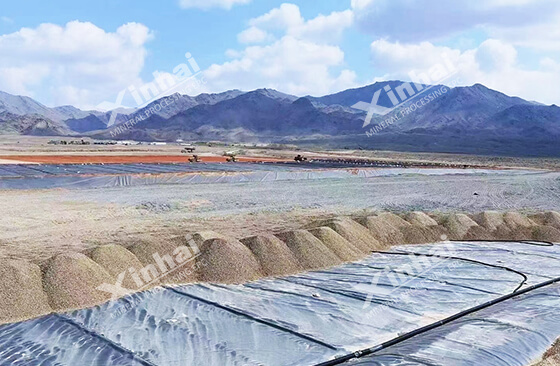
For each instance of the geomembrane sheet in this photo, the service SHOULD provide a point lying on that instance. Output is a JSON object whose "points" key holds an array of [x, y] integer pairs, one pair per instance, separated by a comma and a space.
{"points": [[315, 316]]}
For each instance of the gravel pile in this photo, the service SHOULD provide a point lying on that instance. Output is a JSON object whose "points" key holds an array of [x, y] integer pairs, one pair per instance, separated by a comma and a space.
{"points": [[490, 220], [165, 261], [515, 220], [458, 225], [420, 219], [116, 259], [310, 252], [227, 261], [546, 233], [201, 236], [550, 218], [21, 292], [267, 247], [355, 233], [337, 244], [383, 231], [71, 280]]}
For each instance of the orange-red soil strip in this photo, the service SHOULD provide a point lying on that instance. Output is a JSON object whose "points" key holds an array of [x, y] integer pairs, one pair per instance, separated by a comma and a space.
{"points": [[120, 159]]}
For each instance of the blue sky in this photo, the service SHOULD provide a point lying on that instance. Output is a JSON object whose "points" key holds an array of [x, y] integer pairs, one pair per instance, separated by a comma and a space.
{"points": [[84, 53]]}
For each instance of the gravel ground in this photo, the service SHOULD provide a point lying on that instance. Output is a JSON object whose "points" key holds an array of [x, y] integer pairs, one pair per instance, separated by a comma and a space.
{"points": [[38, 224]]}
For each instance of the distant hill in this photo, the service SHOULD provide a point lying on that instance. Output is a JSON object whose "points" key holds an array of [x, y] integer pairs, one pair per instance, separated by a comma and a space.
{"points": [[473, 119], [31, 124]]}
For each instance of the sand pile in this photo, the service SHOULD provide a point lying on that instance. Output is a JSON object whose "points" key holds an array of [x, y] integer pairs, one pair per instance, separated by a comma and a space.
{"points": [[337, 244], [414, 234], [116, 259], [309, 251], [420, 218], [411, 234], [546, 233], [355, 233], [227, 261], [165, 261], [490, 220], [201, 236], [21, 291], [434, 234], [458, 225], [71, 280], [423, 229], [503, 232], [273, 255], [428, 226], [394, 220], [479, 233], [550, 218], [383, 231], [514, 220]]}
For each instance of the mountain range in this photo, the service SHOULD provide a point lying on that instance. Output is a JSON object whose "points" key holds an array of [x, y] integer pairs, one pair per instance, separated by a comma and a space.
{"points": [[473, 119]]}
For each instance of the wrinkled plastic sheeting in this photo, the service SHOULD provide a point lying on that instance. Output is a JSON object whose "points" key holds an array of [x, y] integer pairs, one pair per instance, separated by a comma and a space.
{"points": [[512, 333], [540, 262], [295, 320], [118, 175]]}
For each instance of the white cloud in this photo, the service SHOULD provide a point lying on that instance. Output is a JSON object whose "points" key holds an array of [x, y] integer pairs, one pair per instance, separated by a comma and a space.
{"points": [[289, 65], [405, 20], [78, 63], [284, 17], [494, 63], [324, 28], [6, 19], [543, 36], [297, 56], [287, 19], [208, 4], [253, 35]]}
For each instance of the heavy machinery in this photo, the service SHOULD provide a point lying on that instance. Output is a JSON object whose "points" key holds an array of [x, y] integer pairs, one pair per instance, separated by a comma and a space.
{"points": [[300, 159], [194, 159], [231, 156]]}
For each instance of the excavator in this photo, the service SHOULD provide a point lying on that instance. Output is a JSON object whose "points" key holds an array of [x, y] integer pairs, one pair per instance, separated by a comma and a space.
{"points": [[230, 157]]}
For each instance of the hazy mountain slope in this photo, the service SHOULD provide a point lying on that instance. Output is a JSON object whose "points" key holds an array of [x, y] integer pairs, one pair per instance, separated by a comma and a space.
{"points": [[31, 125], [260, 112], [21, 105]]}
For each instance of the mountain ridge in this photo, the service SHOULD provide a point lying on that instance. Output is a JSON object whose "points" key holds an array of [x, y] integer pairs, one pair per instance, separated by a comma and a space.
{"points": [[441, 118]]}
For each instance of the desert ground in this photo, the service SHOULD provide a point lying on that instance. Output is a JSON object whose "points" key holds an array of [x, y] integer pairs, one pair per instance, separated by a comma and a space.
{"points": [[64, 242], [47, 222]]}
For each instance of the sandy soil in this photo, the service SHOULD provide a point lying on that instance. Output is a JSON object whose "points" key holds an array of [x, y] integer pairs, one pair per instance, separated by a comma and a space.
{"points": [[38, 224]]}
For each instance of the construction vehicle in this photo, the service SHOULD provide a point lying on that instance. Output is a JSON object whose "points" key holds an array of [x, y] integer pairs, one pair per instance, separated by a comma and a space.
{"points": [[188, 150], [299, 158], [194, 159], [231, 156]]}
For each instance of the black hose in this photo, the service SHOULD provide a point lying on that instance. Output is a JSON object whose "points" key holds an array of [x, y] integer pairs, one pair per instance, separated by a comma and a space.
{"points": [[432, 326], [463, 259], [251, 317], [539, 243]]}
